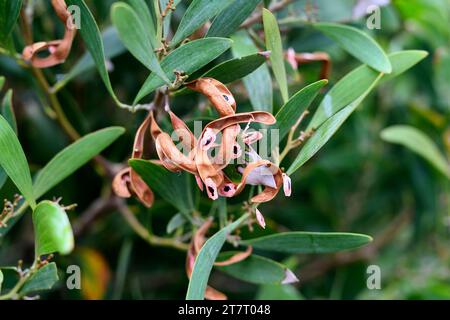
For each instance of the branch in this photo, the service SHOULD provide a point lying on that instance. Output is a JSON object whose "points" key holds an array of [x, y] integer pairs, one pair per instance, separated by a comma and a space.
{"points": [[134, 223], [93, 212], [277, 6]]}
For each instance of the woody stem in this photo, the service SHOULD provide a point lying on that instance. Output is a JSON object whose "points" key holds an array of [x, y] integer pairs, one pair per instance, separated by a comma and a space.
{"points": [[140, 230]]}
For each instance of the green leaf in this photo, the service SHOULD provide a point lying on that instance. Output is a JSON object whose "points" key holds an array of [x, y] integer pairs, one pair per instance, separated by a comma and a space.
{"points": [[205, 261], [188, 58], [232, 70], [274, 44], [73, 157], [2, 82], [174, 188], [419, 143], [197, 14], [113, 48], [14, 162], [355, 84], [8, 113], [53, 232], [322, 135], [44, 279], [293, 109], [358, 82], [309, 242], [92, 38], [229, 20], [9, 13], [136, 38], [259, 82], [8, 110], [176, 222], [343, 99], [402, 61], [278, 292], [254, 269], [357, 44], [146, 18]]}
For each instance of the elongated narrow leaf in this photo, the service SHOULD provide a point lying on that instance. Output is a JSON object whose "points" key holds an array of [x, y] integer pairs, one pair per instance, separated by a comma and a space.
{"points": [[9, 12], [2, 82], [8, 111], [357, 44], [348, 89], [73, 157], [292, 110], [136, 38], [177, 221], [402, 61], [309, 242], [418, 142], [176, 189], [232, 70], [53, 232], [44, 279], [14, 162], [145, 16], [205, 260], [188, 59], [338, 103], [254, 269], [259, 82], [93, 41], [323, 135], [198, 13], [275, 46], [359, 81], [113, 48], [278, 292], [229, 20]]}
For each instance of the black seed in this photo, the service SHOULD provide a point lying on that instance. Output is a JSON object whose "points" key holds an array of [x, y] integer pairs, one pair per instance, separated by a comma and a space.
{"points": [[235, 150], [211, 190], [226, 98], [226, 189]]}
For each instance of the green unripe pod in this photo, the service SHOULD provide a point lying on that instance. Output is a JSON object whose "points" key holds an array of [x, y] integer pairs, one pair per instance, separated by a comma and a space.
{"points": [[53, 232]]}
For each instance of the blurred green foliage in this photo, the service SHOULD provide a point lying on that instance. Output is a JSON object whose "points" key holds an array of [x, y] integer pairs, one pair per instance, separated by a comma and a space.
{"points": [[357, 182]]}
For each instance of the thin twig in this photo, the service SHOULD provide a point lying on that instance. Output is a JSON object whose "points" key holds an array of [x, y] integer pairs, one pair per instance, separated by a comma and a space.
{"points": [[140, 230], [277, 6], [93, 212]]}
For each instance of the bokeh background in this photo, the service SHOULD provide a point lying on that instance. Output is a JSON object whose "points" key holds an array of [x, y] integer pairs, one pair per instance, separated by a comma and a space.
{"points": [[357, 183]]}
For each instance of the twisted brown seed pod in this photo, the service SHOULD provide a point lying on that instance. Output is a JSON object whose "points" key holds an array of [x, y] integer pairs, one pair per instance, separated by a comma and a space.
{"points": [[58, 49], [217, 93]]}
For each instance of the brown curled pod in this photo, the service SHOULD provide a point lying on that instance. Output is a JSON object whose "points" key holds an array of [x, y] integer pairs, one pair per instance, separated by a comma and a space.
{"points": [[217, 93], [172, 158], [127, 182], [59, 49], [246, 117], [238, 257], [185, 135], [175, 156], [229, 149], [249, 173], [121, 183]]}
